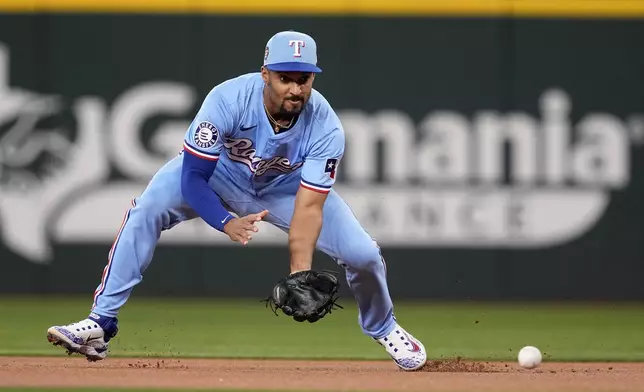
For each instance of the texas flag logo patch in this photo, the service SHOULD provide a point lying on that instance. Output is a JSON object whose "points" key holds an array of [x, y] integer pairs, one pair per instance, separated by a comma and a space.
{"points": [[331, 167]]}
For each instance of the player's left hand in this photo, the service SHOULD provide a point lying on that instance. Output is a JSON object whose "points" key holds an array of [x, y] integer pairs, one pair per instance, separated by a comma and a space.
{"points": [[305, 295]]}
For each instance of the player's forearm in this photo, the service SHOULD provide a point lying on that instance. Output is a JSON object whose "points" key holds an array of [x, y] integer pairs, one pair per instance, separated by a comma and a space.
{"points": [[199, 195], [303, 234]]}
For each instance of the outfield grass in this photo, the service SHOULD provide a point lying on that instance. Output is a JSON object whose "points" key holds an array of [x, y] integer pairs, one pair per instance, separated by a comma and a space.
{"points": [[245, 329]]}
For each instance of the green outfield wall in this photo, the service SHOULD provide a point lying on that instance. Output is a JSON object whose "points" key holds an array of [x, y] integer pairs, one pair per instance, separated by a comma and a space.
{"points": [[495, 151]]}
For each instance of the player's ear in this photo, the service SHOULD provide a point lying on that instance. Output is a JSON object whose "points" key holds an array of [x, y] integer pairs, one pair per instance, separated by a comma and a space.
{"points": [[265, 75]]}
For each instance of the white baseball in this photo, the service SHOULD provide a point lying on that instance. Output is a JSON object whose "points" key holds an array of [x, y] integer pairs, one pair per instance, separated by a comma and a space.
{"points": [[529, 357]]}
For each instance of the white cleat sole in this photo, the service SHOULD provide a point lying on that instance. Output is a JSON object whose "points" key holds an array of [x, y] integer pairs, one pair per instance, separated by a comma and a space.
{"points": [[57, 338], [411, 369]]}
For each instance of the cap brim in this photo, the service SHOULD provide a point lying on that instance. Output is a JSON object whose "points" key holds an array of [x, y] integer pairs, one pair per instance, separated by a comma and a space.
{"points": [[293, 67]]}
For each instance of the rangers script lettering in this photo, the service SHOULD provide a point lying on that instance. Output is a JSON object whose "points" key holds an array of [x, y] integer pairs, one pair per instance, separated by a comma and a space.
{"points": [[242, 151]]}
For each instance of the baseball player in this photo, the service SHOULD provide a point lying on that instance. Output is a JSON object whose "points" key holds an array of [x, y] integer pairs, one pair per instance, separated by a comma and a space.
{"points": [[265, 146]]}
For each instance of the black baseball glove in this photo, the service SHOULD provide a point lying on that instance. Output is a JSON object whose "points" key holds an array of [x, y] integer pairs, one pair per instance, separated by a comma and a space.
{"points": [[305, 295]]}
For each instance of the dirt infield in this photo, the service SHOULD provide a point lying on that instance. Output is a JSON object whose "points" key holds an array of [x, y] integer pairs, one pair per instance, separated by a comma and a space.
{"points": [[448, 375]]}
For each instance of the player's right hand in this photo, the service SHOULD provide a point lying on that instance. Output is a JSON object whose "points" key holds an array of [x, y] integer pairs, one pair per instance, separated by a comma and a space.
{"points": [[241, 229]]}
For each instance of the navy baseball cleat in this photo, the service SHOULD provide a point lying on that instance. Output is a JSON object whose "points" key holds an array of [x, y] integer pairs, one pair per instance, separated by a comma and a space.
{"points": [[408, 352], [87, 337]]}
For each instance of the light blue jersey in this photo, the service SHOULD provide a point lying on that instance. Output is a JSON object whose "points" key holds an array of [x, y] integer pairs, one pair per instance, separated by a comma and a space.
{"points": [[232, 127]]}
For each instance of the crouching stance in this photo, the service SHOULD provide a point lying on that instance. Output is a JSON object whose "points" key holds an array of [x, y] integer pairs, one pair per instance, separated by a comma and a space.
{"points": [[263, 146]]}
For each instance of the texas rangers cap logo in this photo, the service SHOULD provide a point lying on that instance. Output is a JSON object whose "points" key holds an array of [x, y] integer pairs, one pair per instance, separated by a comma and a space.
{"points": [[291, 51], [206, 135]]}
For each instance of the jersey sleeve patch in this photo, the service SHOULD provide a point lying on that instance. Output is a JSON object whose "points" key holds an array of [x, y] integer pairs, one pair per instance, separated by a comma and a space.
{"points": [[206, 135], [319, 174], [202, 141], [331, 167]]}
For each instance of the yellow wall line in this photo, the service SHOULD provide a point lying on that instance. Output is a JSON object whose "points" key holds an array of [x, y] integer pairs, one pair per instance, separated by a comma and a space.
{"points": [[527, 8]]}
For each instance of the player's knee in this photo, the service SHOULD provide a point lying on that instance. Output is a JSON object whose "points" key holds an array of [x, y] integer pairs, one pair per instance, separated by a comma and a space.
{"points": [[364, 256], [146, 214]]}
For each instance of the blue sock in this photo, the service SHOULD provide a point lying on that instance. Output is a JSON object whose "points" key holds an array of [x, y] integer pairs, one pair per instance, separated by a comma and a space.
{"points": [[109, 325]]}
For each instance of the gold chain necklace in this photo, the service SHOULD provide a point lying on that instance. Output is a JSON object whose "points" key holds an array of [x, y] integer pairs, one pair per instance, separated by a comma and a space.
{"points": [[275, 121]]}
